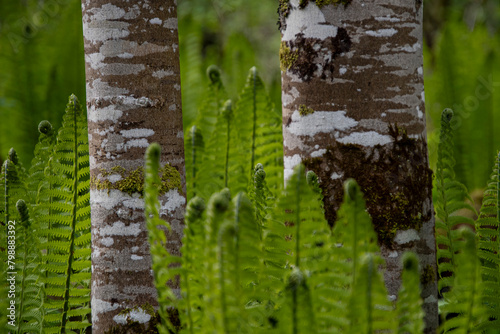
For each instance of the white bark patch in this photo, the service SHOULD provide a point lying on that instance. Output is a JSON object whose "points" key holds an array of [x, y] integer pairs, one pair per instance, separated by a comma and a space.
{"points": [[114, 199], [393, 254], [162, 73], [290, 163], [101, 306], [114, 48], [406, 236], [336, 176], [388, 18], [318, 153], [343, 70], [95, 60], [110, 113], [136, 257], [320, 122], [101, 88], [120, 229], [382, 32], [99, 31], [155, 21], [107, 12], [114, 178], [420, 113], [370, 138], [316, 26], [137, 133], [174, 201], [107, 241], [137, 143], [170, 23], [135, 315]]}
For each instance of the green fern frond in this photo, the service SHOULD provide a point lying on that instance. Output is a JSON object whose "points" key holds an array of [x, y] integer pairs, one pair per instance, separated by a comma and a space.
{"points": [[212, 104], [260, 195], [214, 171], [488, 244], [409, 304], [64, 196], [369, 309], [192, 283], [194, 148], [450, 198], [353, 236], [464, 309], [30, 294], [157, 239], [257, 136]]}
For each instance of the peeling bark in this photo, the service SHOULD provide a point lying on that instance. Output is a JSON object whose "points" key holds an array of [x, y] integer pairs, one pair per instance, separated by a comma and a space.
{"points": [[353, 107], [133, 100]]}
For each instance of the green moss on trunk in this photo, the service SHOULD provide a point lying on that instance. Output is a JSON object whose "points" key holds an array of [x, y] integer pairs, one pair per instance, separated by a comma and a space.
{"points": [[133, 181]]}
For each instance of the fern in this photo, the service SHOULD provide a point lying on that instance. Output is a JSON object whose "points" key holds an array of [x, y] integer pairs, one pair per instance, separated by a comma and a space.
{"points": [[212, 104], [30, 295], [353, 237], [257, 136], [214, 169], [43, 150], [488, 243], [301, 231], [369, 309], [67, 242], [193, 247], [194, 148], [260, 195], [165, 266], [409, 304], [450, 195], [464, 310]]}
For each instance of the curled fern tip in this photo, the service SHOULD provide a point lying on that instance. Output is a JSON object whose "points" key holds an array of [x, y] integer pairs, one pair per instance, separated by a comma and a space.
{"points": [[45, 127], [153, 151], [351, 189], [213, 73], [13, 156], [447, 115]]}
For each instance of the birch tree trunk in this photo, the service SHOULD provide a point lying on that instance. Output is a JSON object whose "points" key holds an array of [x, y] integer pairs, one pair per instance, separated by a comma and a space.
{"points": [[133, 100], [353, 107]]}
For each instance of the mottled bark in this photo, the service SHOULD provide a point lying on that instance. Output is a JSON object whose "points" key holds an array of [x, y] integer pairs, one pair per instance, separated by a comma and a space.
{"points": [[353, 107], [133, 99]]}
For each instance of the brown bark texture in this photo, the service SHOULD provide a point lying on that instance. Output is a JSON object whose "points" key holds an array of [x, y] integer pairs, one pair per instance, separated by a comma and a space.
{"points": [[353, 107], [133, 100]]}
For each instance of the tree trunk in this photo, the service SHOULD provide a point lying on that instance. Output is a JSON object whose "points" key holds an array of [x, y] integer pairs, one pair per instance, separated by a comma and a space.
{"points": [[133, 100], [353, 107]]}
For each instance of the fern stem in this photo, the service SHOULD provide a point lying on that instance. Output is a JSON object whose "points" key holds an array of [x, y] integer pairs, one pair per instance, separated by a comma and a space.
{"points": [[73, 223], [221, 283], [193, 157], [498, 188], [254, 129], [23, 280], [226, 162], [369, 296], [6, 194], [297, 250]]}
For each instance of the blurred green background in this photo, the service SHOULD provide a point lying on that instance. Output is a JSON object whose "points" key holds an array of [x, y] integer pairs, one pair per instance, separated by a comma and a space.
{"points": [[42, 63]]}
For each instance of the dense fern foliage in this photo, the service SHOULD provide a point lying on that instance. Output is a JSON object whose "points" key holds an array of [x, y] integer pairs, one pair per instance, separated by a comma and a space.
{"points": [[257, 257], [51, 263]]}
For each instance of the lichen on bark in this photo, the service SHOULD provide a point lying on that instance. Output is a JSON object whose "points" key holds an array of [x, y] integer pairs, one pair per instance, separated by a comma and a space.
{"points": [[131, 182]]}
